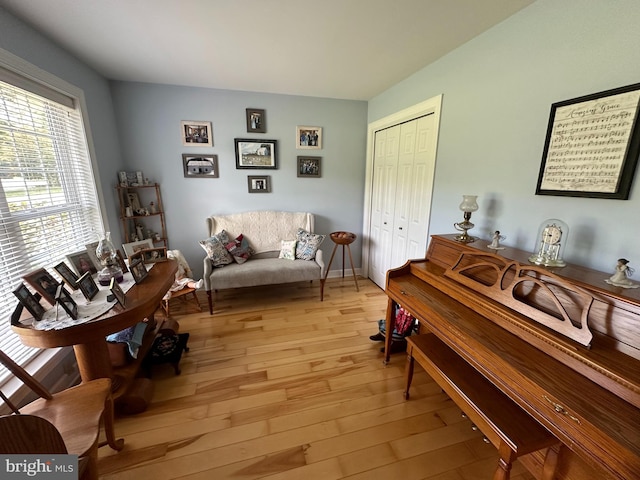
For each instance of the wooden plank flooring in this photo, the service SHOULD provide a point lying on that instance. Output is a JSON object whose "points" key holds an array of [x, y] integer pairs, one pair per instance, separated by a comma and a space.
{"points": [[278, 385]]}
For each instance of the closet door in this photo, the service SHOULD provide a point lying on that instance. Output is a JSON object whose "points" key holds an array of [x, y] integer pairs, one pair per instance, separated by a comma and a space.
{"points": [[404, 162]]}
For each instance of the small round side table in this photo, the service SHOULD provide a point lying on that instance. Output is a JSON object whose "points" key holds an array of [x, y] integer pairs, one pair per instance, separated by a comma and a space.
{"points": [[345, 239]]}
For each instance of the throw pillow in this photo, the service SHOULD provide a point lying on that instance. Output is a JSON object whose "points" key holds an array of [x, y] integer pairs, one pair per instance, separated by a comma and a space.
{"points": [[288, 249], [215, 248], [308, 244], [239, 249]]}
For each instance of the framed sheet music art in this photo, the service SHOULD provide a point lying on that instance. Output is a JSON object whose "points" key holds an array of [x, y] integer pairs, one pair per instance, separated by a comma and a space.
{"points": [[592, 145]]}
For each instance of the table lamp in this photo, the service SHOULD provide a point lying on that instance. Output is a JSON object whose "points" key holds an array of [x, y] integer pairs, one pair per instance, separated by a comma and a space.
{"points": [[107, 255], [468, 206]]}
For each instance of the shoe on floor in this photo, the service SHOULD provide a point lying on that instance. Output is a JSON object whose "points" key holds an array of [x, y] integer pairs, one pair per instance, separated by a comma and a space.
{"points": [[199, 284], [378, 337]]}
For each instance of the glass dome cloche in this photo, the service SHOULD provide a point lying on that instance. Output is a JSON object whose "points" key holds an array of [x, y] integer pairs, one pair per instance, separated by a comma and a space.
{"points": [[550, 243], [107, 255]]}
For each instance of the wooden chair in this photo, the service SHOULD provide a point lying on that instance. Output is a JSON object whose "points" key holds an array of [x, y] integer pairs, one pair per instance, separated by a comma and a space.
{"points": [[76, 413], [28, 434], [185, 293]]}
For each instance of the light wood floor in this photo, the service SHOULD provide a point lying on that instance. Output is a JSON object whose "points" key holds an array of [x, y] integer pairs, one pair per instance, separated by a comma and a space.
{"points": [[279, 385]]}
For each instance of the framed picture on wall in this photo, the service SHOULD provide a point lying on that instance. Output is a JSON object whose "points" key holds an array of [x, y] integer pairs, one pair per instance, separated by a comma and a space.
{"points": [[196, 134], [256, 121], [309, 167], [308, 137], [259, 154], [259, 183], [202, 166]]}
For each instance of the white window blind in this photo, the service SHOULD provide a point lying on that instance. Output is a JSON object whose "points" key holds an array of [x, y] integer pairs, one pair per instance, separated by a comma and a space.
{"points": [[49, 206]]}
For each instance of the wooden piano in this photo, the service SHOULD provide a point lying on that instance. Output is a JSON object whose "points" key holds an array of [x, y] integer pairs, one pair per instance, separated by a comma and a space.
{"points": [[561, 344]]}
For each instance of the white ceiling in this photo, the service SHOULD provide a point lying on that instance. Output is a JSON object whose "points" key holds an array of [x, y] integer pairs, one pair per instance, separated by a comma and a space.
{"points": [[348, 49]]}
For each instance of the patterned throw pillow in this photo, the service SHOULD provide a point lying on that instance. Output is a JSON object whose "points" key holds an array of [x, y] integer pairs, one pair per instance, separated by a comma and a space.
{"points": [[216, 252], [239, 249], [288, 249], [308, 244]]}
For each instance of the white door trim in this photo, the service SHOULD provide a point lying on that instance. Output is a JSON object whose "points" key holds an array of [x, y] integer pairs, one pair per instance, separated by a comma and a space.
{"points": [[431, 106]]}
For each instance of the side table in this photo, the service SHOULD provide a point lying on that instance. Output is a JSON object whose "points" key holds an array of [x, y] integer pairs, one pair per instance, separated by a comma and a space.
{"points": [[345, 239]]}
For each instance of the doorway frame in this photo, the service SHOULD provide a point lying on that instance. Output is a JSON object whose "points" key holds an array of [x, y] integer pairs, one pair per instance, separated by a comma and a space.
{"points": [[430, 106]]}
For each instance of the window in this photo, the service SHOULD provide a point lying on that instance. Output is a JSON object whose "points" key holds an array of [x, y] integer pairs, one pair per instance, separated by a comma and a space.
{"points": [[49, 205]]}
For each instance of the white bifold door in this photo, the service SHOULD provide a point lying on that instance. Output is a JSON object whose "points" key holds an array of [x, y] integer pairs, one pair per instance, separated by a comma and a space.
{"points": [[402, 185]]}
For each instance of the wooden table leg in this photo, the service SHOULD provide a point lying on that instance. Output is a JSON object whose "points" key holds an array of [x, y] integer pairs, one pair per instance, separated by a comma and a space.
{"points": [[353, 270]]}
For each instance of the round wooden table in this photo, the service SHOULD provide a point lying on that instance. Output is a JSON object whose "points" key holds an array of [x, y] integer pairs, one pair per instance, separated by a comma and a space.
{"points": [[344, 239]]}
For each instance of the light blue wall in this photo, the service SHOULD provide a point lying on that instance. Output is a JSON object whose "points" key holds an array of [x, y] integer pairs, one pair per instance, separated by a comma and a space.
{"points": [[28, 44], [149, 116], [498, 90]]}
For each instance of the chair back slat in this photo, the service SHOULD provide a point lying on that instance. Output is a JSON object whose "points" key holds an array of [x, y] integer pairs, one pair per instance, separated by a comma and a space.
{"points": [[24, 376]]}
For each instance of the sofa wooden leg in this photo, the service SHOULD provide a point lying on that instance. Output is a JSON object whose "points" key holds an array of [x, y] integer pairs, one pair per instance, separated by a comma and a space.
{"points": [[322, 280], [210, 299]]}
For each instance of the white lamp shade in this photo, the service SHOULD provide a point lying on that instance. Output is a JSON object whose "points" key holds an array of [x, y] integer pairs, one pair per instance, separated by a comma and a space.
{"points": [[469, 203]]}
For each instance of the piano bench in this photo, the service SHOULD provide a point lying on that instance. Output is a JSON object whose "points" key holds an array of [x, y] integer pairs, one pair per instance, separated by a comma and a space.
{"points": [[509, 428]]}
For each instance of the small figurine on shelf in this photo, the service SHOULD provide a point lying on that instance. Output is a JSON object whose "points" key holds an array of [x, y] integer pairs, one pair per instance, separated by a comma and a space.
{"points": [[139, 231], [152, 208], [495, 241], [620, 277]]}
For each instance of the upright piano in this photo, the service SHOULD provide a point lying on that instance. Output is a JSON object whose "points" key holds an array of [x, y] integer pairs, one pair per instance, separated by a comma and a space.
{"points": [[561, 343]]}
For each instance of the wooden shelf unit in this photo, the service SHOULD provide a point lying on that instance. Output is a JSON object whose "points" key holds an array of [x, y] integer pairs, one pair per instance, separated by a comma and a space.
{"points": [[145, 194]]}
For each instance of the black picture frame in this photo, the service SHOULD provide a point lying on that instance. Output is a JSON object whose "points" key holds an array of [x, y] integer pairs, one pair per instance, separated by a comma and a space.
{"points": [[44, 283], [256, 121], [65, 300], [200, 166], [29, 301], [68, 275], [257, 154], [87, 286], [121, 263], [117, 292], [309, 167], [259, 183], [592, 145], [138, 270]]}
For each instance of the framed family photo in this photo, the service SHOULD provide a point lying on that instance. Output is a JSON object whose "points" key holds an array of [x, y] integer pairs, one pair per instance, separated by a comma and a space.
{"points": [[133, 247], [117, 292], [67, 275], [259, 154], [259, 183], [29, 301], [44, 283], [66, 301], [196, 134], [203, 166], [138, 270], [88, 286], [308, 137], [256, 122], [309, 167], [82, 263]]}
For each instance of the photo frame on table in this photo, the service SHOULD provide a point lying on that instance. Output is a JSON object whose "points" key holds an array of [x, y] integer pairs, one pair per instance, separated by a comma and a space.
{"points": [[153, 255], [308, 137], [200, 166], [121, 263], [196, 133], [87, 286], [68, 275], [256, 121], [82, 263], [44, 283], [309, 167], [138, 270], [257, 154], [117, 292], [259, 183], [91, 251], [592, 145], [66, 302], [132, 247], [29, 301]]}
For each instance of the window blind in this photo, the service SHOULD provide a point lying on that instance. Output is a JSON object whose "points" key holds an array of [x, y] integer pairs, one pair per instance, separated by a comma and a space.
{"points": [[49, 205]]}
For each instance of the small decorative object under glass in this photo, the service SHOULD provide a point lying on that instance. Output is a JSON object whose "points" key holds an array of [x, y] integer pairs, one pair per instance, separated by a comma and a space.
{"points": [[550, 243], [108, 257], [468, 206]]}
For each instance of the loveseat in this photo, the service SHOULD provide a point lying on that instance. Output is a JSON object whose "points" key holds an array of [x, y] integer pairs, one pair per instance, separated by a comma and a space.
{"points": [[260, 248]]}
